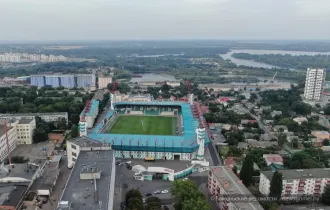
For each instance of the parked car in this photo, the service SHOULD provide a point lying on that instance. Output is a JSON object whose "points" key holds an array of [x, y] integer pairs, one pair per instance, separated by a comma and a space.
{"points": [[148, 194], [157, 192], [164, 191]]}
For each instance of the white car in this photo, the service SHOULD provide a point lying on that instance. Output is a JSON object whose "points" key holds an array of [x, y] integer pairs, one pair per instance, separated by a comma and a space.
{"points": [[157, 192], [185, 179], [164, 191]]}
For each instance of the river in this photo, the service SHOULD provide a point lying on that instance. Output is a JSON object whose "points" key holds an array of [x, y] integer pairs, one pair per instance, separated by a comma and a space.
{"points": [[262, 52]]}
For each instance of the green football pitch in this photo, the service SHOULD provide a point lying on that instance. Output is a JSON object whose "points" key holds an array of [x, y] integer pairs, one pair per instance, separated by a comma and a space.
{"points": [[147, 125]]}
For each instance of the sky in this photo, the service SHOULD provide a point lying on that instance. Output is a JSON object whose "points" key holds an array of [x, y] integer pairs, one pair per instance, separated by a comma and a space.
{"points": [[164, 19]]}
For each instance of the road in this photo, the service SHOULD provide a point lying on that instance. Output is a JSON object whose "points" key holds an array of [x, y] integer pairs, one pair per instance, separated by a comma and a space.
{"points": [[261, 125], [214, 155]]}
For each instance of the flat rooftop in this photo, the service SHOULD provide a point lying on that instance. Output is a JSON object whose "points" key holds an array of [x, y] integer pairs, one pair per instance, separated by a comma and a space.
{"points": [[25, 121], [234, 187], [81, 193], [34, 114], [85, 142], [14, 193], [300, 173], [22, 172]]}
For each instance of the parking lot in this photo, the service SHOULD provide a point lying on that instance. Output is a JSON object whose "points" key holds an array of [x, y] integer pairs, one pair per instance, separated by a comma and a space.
{"points": [[34, 151]]}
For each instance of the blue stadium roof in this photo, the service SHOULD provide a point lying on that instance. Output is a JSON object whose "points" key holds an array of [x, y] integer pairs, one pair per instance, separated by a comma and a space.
{"points": [[187, 140]]}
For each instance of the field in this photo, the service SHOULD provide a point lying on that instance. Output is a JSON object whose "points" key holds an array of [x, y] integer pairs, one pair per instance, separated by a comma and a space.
{"points": [[145, 125]]}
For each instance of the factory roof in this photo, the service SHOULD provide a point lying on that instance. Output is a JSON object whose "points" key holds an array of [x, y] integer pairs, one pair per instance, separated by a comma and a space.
{"points": [[19, 173], [11, 195], [300, 173], [81, 193]]}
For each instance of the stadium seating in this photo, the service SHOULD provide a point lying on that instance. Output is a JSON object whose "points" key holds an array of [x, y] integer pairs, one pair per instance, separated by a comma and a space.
{"points": [[136, 112], [151, 112], [164, 113]]}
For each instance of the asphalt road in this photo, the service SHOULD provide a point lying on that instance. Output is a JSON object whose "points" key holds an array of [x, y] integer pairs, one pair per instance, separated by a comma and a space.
{"points": [[214, 155]]}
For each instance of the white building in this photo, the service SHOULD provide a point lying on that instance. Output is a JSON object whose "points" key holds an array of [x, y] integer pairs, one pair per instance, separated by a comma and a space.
{"points": [[24, 129], [104, 81], [314, 84], [133, 97], [300, 120], [89, 114], [12, 137], [298, 181], [226, 187], [48, 117], [74, 146]]}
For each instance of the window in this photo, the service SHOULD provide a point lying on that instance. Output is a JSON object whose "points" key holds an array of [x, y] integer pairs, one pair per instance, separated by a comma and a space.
{"points": [[74, 154], [73, 146], [74, 159]]}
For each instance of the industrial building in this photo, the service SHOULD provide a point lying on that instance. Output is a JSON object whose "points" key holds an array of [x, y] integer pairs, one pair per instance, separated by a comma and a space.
{"points": [[92, 180], [315, 79], [298, 182], [228, 190], [64, 80]]}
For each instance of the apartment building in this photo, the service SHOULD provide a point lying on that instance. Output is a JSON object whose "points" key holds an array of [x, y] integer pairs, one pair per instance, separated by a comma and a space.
{"points": [[90, 113], [104, 81], [64, 80], [48, 117], [315, 79], [24, 130], [298, 181], [12, 139], [229, 191]]}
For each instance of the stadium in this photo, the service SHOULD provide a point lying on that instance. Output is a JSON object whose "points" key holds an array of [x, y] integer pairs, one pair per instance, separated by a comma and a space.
{"points": [[168, 130]]}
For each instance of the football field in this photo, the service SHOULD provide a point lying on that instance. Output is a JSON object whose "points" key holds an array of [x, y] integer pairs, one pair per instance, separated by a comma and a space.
{"points": [[146, 125]]}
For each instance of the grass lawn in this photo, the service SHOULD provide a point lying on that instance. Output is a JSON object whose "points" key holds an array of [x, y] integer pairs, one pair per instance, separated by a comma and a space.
{"points": [[147, 125]]}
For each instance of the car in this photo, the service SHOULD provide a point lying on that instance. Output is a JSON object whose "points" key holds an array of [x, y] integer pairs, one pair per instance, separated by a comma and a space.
{"points": [[148, 194], [144, 200], [157, 192], [185, 179], [164, 191]]}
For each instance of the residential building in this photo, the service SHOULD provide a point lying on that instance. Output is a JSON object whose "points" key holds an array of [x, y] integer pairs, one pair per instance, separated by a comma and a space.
{"points": [[300, 120], [48, 117], [104, 81], [276, 113], [90, 112], [132, 97], [92, 165], [12, 139], [252, 143], [226, 187], [314, 84], [320, 136], [64, 80], [24, 128], [273, 159], [299, 182], [86, 80], [280, 128]]}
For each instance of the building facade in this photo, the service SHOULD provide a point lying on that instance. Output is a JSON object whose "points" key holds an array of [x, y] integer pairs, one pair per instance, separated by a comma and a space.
{"points": [[315, 79], [298, 182], [12, 139], [226, 188], [64, 80], [104, 81], [48, 117]]}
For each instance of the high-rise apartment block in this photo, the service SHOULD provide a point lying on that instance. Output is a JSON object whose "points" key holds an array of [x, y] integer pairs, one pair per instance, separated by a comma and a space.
{"points": [[314, 84], [64, 80], [104, 81]]}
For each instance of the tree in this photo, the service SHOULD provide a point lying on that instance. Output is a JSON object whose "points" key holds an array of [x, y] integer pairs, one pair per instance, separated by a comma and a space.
{"points": [[133, 200], [326, 142], [187, 196], [74, 131], [326, 195], [276, 185], [234, 169], [39, 135], [281, 139], [153, 203], [246, 172], [295, 143], [75, 119], [61, 123]]}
